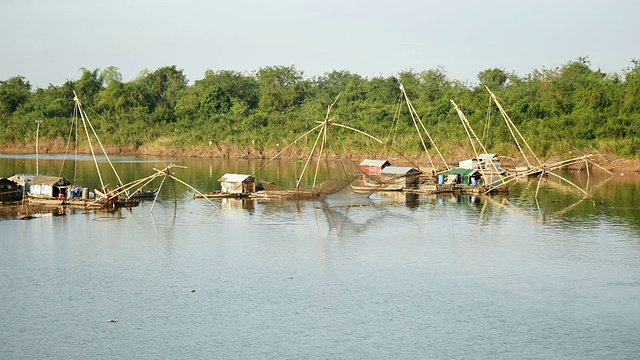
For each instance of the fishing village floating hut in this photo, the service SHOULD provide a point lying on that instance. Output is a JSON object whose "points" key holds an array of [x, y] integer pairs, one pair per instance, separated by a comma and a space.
{"points": [[232, 186], [379, 175], [237, 184], [464, 177], [455, 181], [400, 177], [373, 167], [48, 187], [483, 161], [22, 180], [9, 191]]}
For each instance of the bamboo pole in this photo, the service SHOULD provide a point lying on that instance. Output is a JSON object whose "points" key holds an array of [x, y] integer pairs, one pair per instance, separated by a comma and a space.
{"points": [[415, 124], [84, 115], [322, 148], [472, 135], [93, 154], [160, 187], [414, 116], [569, 182], [285, 148], [194, 189], [510, 123], [537, 189], [306, 164], [600, 167], [373, 138]]}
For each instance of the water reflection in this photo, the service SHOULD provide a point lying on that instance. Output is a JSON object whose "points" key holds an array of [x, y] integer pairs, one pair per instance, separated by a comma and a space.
{"points": [[504, 273], [613, 196], [239, 204]]}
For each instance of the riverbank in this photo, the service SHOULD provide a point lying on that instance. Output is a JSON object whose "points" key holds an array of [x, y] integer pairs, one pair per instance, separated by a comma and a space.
{"points": [[230, 151]]}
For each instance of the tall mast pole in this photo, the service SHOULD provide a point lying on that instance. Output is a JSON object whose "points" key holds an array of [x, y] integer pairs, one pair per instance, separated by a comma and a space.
{"points": [[37, 135]]}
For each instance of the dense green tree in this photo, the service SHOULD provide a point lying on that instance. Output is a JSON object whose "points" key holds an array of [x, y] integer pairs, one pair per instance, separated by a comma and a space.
{"points": [[13, 93], [493, 78], [162, 88], [631, 98], [214, 101], [89, 85], [571, 106], [111, 76], [240, 88], [281, 87], [53, 102]]}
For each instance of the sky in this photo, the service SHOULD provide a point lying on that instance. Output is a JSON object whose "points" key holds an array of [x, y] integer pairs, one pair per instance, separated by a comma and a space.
{"points": [[49, 41]]}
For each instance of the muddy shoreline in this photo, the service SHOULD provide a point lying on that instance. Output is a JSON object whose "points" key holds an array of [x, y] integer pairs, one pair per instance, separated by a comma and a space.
{"points": [[230, 151]]}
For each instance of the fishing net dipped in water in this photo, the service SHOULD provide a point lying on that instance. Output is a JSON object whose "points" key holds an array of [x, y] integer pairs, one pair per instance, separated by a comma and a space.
{"points": [[341, 178]]}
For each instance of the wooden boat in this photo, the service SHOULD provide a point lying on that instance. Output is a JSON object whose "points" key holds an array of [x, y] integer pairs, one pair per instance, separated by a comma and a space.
{"points": [[49, 201], [357, 187], [142, 195], [269, 195], [220, 195]]}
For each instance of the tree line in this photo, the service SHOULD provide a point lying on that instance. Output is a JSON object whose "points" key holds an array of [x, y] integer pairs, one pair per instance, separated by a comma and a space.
{"points": [[572, 108]]}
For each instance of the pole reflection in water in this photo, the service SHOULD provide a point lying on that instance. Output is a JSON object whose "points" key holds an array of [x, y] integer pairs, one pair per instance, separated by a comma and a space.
{"points": [[385, 276]]}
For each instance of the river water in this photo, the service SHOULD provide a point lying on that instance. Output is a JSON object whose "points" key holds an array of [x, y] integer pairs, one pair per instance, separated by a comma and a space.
{"points": [[346, 278]]}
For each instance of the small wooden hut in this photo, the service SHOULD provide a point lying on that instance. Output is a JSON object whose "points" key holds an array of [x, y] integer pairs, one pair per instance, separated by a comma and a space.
{"points": [[402, 177], [48, 186], [461, 176], [22, 180], [237, 184], [9, 190], [373, 167]]}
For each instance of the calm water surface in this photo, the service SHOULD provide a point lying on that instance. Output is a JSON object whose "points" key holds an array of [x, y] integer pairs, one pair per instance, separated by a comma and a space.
{"points": [[347, 278]]}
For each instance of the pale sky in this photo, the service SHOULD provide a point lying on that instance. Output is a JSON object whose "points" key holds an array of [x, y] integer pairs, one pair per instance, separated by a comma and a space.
{"points": [[48, 41]]}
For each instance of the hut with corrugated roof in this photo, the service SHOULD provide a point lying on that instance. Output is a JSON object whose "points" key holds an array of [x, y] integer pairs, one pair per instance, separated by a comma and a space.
{"points": [[22, 180], [373, 167], [400, 177], [461, 176], [237, 184], [48, 186]]}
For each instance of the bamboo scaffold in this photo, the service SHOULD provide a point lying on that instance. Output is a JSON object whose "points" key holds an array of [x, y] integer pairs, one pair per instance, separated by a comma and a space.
{"points": [[542, 169], [128, 190], [167, 174], [122, 192], [86, 125], [515, 133], [320, 152], [474, 140], [419, 126]]}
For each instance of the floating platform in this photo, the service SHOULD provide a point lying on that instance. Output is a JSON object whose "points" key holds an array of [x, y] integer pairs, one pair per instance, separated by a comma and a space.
{"points": [[221, 195], [296, 195]]}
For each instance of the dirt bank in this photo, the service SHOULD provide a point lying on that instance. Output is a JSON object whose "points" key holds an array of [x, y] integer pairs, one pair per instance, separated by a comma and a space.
{"points": [[609, 162]]}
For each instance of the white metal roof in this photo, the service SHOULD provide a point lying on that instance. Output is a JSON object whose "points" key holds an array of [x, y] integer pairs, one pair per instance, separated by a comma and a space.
{"points": [[234, 178], [397, 170], [369, 162], [48, 180], [486, 156]]}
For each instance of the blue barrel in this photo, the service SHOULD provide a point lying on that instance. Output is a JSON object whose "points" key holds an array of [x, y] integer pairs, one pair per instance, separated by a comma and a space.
{"points": [[441, 179], [474, 182]]}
